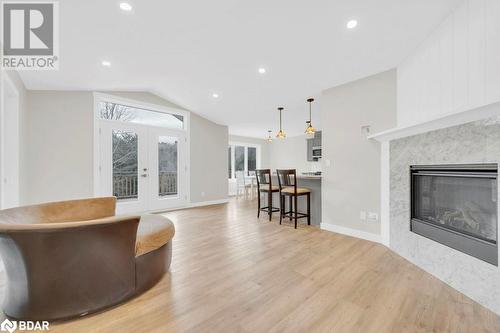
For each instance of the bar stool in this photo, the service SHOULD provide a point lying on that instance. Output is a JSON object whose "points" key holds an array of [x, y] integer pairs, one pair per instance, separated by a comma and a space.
{"points": [[264, 185], [287, 183]]}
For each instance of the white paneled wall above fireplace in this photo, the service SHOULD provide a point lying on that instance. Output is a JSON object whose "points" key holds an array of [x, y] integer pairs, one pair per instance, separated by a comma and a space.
{"points": [[456, 69]]}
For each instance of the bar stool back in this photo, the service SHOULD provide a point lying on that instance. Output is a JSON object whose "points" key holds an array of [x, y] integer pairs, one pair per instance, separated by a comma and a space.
{"points": [[287, 183], [264, 185]]}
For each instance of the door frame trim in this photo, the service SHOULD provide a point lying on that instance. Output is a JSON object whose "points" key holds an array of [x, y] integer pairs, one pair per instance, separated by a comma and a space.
{"points": [[4, 82], [103, 97]]}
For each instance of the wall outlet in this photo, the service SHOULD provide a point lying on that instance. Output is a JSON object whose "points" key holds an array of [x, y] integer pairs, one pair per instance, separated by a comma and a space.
{"points": [[362, 215], [373, 216]]}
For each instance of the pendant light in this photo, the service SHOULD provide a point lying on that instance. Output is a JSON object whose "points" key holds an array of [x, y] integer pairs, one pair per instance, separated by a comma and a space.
{"points": [[310, 129], [269, 138], [281, 134]]}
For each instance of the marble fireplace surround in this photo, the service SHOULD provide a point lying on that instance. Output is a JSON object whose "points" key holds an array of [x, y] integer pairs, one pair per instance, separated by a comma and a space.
{"points": [[470, 143]]}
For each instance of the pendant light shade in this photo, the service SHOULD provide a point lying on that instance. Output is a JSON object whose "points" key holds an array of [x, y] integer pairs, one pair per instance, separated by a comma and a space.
{"points": [[310, 130], [269, 138], [281, 134]]}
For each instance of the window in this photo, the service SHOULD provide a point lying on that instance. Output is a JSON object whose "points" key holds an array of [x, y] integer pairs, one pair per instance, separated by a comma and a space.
{"points": [[230, 162], [243, 157], [239, 158], [119, 112], [252, 160]]}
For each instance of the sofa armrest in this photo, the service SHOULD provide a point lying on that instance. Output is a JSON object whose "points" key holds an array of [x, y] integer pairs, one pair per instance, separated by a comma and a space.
{"points": [[63, 225], [60, 270], [63, 211]]}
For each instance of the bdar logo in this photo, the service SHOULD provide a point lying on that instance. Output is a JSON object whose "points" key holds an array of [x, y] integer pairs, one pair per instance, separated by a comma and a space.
{"points": [[8, 326]]}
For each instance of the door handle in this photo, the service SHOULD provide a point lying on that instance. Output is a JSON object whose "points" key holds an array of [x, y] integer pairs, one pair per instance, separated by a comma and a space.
{"points": [[144, 175]]}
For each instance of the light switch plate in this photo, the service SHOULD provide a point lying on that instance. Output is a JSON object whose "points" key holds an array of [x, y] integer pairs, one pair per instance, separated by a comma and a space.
{"points": [[362, 215], [373, 216]]}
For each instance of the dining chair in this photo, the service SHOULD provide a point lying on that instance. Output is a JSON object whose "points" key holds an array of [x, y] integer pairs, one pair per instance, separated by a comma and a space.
{"points": [[241, 184], [253, 184]]}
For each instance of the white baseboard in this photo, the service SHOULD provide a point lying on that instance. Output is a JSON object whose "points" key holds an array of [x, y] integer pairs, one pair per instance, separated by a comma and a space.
{"points": [[351, 232], [207, 203], [190, 205]]}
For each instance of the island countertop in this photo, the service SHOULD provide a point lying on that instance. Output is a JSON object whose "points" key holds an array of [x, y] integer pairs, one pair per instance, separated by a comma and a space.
{"points": [[308, 177], [302, 176]]}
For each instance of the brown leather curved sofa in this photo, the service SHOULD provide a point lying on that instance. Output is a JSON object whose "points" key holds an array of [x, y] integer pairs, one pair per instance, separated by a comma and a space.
{"points": [[71, 258]]}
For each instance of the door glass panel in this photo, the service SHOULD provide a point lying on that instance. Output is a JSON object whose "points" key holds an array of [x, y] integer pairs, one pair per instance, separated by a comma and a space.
{"points": [[113, 111], [167, 165], [125, 165], [252, 160], [239, 158]]}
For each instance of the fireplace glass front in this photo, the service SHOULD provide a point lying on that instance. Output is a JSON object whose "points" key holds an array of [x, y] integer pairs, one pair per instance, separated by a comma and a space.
{"points": [[456, 205]]}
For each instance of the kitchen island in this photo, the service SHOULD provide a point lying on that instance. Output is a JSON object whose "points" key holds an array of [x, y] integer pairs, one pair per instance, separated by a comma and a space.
{"points": [[313, 183]]}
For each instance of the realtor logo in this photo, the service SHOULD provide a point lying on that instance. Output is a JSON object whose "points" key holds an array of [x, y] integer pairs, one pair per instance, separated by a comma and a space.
{"points": [[8, 326], [30, 35]]}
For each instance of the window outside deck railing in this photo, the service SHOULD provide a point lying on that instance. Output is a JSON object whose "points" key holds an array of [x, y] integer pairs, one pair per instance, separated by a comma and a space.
{"points": [[125, 184]]}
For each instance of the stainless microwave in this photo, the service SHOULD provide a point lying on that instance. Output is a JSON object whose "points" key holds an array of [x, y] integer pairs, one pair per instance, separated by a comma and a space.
{"points": [[316, 152]]}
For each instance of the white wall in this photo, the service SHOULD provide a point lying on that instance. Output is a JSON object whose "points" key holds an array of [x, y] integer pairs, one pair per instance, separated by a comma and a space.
{"points": [[59, 147], [291, 153], [456, 69], [208, 160], [351, 183]]}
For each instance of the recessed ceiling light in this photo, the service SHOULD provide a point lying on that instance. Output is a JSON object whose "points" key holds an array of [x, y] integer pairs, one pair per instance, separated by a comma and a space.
{"points": [[214, 95], [262, 70], [106, 63], [352, 24], [125, 6]]}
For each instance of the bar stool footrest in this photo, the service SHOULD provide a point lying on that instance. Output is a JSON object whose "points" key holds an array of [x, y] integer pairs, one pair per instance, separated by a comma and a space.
{"points": [[273, 209], [292, 215]]}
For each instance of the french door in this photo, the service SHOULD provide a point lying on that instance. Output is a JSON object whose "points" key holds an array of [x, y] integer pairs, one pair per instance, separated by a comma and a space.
{"points": [[143, 166]]}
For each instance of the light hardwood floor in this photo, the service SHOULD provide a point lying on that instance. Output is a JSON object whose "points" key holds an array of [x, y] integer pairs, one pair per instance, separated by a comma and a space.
{"points": [[232, 272]]}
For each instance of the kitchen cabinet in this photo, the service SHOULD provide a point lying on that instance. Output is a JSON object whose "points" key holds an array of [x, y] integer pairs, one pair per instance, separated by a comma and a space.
{"points": [[313, 143]]}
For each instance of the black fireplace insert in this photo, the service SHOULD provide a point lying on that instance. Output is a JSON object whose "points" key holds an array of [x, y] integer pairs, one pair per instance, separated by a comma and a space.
{"points": [[456, 205]]}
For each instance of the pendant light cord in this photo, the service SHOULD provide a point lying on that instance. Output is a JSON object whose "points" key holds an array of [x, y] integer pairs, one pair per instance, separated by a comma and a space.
{"points": [[310, 100], [280, 120], [280, 109]]}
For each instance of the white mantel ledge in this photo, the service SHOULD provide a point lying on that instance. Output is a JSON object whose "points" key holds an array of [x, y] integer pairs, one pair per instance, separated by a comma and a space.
{"points": [[448, 120]]}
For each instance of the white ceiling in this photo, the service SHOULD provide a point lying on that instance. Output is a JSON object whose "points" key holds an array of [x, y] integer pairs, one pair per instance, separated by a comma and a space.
{"points": [[186, 50]]}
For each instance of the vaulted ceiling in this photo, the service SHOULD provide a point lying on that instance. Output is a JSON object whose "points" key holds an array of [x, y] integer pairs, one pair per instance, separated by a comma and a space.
{"points": [[186, 51]]}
